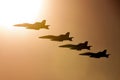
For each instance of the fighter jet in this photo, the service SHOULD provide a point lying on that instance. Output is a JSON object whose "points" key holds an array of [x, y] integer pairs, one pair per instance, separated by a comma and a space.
{"points": [[96, 55], [61, 37], [79, 46], [35, 26]]}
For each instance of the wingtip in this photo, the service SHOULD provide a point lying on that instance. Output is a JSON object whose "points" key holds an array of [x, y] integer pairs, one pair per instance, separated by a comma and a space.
{"points": [[60, 46], [15, 25], [40, 37], [80, 54]]}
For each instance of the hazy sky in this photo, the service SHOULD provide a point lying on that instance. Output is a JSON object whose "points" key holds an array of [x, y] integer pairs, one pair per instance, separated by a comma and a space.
{"points": [[23, 56]]}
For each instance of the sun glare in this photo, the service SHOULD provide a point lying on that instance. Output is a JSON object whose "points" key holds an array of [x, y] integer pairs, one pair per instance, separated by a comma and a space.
{"points": [[18, 11]]}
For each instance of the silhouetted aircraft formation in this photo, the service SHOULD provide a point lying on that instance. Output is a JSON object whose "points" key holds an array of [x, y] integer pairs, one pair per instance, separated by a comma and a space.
{"points": [[63, 37], [96, 55], [35, 26], [79, 46]]}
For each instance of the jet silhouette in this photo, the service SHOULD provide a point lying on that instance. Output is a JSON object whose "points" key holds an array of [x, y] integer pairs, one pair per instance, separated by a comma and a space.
{"points": [[61, 37], [35, 26], [96, 55], [79, 46]]}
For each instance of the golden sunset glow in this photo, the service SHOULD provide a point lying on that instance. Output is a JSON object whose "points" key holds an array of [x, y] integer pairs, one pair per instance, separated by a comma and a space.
{"points": [[17, 11], [26, 56]]}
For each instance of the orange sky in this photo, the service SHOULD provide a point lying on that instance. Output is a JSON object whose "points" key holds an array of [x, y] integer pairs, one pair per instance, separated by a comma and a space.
{"points": [[23, 56]]}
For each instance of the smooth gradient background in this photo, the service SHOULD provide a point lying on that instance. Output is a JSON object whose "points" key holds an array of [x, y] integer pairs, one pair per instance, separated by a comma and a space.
{"points": [[23, 56]]}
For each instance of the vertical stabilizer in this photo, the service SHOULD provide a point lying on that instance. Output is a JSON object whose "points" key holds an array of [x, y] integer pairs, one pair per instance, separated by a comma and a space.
{"points": [[67, 34], [43, 22], [105, 51]]}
